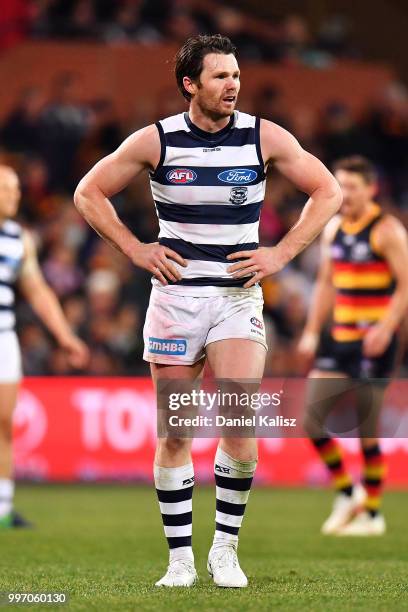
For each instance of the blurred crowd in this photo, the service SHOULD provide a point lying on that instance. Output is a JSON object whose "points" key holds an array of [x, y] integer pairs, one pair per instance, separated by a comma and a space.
{"points": [[53, 139], [287, 40]]}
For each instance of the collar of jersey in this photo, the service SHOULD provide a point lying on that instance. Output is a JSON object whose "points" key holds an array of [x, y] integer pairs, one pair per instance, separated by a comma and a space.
{"points": [[212, 137], [355, 227]]}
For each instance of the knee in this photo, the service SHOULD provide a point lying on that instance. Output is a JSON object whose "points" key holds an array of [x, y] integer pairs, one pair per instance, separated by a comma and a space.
{"points": [[174, 446], [307, 423], [242, 449], [313, 424]]}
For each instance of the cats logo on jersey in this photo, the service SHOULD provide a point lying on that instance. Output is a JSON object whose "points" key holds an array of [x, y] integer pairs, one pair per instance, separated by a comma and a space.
{"points": [[238, 195]]}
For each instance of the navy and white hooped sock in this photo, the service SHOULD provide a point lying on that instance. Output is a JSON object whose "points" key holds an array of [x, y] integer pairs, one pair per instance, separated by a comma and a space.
{"points": [[233, 479], [174, 488]]}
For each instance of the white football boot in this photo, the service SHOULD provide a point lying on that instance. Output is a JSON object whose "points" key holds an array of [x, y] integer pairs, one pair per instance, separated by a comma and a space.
{"points": [[180, 573], [344, 508], [224, 567], [364, 525]]}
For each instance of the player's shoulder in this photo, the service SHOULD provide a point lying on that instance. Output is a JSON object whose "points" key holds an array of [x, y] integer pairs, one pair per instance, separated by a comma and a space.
{"points": [[244, 120], [389, 222], [174, 123], [389, 228], [272, 129]]}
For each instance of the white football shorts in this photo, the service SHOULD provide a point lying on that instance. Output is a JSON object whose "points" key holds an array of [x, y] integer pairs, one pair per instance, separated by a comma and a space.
{"points": [[178, 327], [10, 357]]}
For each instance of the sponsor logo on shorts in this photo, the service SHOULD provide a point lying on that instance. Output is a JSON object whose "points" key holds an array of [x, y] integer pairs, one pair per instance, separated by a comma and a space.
{"points": [[160, 346], [237, 176], [238, 195], [257, 323], [181, 176]]}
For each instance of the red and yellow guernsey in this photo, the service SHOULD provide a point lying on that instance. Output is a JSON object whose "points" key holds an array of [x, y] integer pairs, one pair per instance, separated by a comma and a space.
{"points": [[361, 276]]}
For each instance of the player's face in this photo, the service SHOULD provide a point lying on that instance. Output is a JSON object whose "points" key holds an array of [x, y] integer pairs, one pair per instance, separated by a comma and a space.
{"points": [[9, 193], [357, 193], [217, 91]]}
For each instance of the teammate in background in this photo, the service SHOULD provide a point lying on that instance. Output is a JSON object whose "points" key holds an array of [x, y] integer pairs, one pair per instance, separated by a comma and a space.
{"points": [[207, 173], [363, 285], [19, 269]]}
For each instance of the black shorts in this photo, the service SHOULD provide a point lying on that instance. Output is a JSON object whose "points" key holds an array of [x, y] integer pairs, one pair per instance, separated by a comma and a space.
{"points": [[348, 358]]}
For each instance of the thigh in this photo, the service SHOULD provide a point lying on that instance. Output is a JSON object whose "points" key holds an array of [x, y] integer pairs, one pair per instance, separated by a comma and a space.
{"points": [[236, 358], [189, 373], [170, 383], [370, 398], [382, 367], [323, 390]]}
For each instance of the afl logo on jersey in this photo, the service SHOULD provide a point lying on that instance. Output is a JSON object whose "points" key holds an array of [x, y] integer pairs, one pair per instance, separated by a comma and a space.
{"points": [[238, 176], [181, 176]]}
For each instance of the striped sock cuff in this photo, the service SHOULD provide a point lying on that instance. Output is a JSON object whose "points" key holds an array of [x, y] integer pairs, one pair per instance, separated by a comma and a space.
{"points": [[373, 477], [174, 487], [330, 453], [233, 479], [372, 451]]}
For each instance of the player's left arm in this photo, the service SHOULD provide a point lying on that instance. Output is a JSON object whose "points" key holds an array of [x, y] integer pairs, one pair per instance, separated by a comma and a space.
{"points": [[307, 174], [390, 240], [45, 304]]}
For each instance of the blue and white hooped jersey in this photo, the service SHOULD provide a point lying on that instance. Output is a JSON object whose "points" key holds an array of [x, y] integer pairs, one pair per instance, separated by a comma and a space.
{"points": [[11, 258], [208, 190]]}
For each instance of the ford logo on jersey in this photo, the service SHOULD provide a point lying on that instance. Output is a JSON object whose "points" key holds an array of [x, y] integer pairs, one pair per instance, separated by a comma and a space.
{"points": [[238, 176], [161, 346], [181, 176]]}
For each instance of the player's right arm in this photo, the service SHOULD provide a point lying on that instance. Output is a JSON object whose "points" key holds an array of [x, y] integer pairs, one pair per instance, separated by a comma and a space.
{"points": [[323, 295], [139, 152]]}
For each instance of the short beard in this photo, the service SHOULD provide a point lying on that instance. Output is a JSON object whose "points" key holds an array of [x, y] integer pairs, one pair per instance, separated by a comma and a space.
{"points": [[215, 115]]}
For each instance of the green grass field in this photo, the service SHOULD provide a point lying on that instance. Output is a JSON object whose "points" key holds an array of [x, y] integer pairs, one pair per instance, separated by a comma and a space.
{"points": [[104, 546]]}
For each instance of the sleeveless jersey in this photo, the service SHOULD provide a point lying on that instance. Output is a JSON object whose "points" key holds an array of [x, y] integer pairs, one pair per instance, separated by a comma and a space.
{"points": [[208, 191], [363, 281], [11, 257]]}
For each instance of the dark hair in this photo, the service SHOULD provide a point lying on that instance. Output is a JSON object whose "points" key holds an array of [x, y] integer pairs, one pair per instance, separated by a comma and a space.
{"points": [[189, 59], [358, 164]]}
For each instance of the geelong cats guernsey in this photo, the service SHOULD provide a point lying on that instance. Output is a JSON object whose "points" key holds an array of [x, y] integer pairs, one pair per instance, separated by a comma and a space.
{"points": [[11, 257], [363, 281], [208, 190]]}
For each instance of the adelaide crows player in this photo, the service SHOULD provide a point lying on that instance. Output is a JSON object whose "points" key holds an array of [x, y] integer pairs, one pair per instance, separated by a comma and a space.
{"points": [[363, 286], [207, 173]]}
